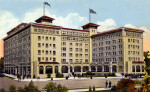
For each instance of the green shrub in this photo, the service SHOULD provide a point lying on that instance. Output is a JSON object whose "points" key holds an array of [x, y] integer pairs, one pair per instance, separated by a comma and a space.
{"points": [[20, 89], [31, 88], [12, 88], [59, 75], [2, 90], [67, 77], [52, 87], [48, 75]]}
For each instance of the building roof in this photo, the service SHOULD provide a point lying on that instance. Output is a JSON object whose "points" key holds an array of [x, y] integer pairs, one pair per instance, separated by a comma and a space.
{"points": [[60, 27], [45, 18], [90, 24], [16, 27], [116, 30]]}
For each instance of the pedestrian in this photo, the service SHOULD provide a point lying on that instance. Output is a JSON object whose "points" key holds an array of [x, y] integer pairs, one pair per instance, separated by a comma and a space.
{"points": [[106, 83], [109, 84]]}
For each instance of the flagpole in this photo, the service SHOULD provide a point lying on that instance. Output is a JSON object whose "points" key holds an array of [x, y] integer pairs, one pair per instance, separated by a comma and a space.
{"points": [[89, 16], [43, 8]]}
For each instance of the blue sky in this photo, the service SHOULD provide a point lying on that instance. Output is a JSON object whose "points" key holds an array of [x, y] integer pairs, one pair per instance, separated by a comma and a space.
{"points": [[75, 13], [135, 12]]}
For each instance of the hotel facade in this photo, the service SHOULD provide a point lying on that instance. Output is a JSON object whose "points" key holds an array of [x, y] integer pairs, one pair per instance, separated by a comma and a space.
{"points": [[37, 49]]}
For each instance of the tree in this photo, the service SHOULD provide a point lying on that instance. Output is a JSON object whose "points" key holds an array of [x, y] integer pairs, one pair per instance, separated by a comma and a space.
{"points": [[52, 87], [2, 90], [31, 88], [126, 85], [2, 65], [20, 89], [12, 88], [147, 61]]}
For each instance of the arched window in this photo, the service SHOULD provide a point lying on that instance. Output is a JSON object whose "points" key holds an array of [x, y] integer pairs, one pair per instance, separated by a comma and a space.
{"points": [[56, 69], [85, 68], [64, 69], [77, 69], [142, 68], [137, 68], [114, 68], [49, 69], [99, 69], [40, 69], [106, 68], [93, 69], [133, 68]]}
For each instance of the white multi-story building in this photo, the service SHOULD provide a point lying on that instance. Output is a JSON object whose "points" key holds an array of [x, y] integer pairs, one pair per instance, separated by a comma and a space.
{"points": [[40, 48]]}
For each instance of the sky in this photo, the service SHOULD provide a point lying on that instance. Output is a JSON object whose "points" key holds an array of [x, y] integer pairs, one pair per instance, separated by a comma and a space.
{"points": [[75, 13]]}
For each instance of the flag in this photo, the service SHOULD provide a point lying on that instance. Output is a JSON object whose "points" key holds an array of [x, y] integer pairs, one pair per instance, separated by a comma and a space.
{"points": [[92, 11], [46, 3]]}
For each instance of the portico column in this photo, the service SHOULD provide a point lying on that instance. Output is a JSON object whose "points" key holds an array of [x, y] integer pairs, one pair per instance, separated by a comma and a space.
{"points": [[44, 69], [90, 68], [110, 69], [96, 69]]}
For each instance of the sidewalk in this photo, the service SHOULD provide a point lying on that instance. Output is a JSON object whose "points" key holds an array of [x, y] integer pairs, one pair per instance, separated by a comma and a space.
{"points": [[85, 90], [58, 79]]}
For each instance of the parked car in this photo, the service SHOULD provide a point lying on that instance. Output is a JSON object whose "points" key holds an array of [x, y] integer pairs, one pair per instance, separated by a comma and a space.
{"points": [[2, 75]]}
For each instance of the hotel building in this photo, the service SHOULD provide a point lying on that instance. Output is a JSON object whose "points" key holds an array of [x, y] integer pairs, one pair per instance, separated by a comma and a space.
{"points": [[40, 48]]}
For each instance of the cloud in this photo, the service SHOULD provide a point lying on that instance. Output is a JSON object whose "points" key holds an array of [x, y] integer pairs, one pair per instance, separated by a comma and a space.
{"points": [[7, 22], [72, 20], [130, 26], [106, 25]]}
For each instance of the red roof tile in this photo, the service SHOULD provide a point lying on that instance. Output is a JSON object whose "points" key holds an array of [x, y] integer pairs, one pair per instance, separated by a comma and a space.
{"points": [[60, 27], [16, 27], [138, 62], [91, 24], [49, 63], [116, 30]]}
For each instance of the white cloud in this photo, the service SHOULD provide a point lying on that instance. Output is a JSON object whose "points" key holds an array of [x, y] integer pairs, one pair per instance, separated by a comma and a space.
{"points": [[106, 25], [130, 26], [7, 22], [72, 20]]}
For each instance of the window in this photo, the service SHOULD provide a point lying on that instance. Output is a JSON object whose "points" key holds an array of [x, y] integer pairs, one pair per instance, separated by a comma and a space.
{"points": [[46, 38], [76, 55], [41, 70], [54, 52], [46, 59], [86, 60], [64, 43], [39, 44], [54, 59], [46, 52], [114, 41], [76, 44], [70, 60], [64, 54], [63, 60], [54, 46], [64, 48], [70, 49], [46, 45], [39, 37], [76, 49], [39, 59], [53, 38], [86, 50], [70, 54], [70, 44], [39, 52], [128, 40]]}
